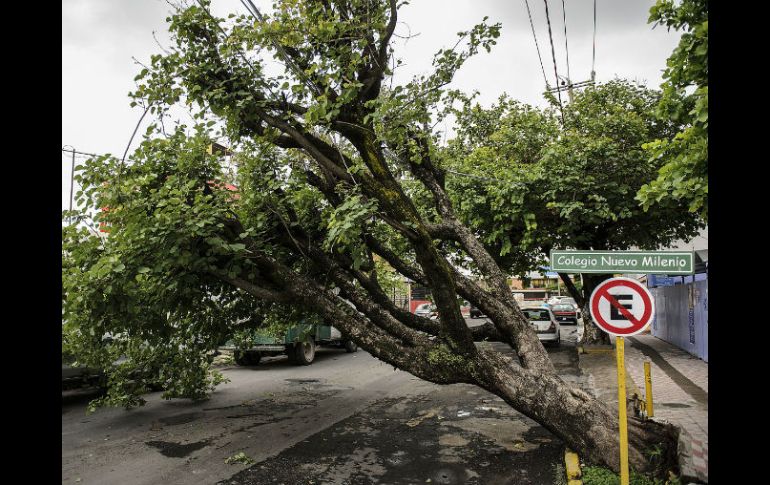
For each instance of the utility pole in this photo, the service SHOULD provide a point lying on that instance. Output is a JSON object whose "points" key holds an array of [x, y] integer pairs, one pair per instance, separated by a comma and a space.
{"points": [[567, 85], [72, 181], [72, 178]]}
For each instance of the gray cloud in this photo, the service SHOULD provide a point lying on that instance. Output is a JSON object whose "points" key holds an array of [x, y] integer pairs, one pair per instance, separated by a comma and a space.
{"points": [[89, 22], [99, 37]]}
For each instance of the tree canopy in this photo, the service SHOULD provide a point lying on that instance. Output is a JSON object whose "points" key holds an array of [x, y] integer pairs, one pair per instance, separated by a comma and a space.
{"points": [[684, 174], [526, 185]]}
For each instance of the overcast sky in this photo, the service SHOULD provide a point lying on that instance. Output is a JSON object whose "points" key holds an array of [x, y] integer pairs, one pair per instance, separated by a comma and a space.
{"points": [[99, 38]]}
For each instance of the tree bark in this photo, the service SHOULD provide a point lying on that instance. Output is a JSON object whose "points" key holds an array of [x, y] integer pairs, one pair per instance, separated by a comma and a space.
{"points": [[592, 335], [576, 417]]}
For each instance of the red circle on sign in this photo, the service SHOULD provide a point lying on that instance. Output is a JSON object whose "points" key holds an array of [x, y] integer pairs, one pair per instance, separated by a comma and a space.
{"points": [[602, 291]]}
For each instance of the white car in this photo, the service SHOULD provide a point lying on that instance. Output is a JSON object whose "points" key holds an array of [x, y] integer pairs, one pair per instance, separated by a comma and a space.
{"points": [[564, 300], [545, 324]]}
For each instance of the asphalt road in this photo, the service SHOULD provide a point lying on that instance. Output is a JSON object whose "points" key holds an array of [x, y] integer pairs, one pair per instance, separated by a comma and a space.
{"points": [[348, 418]]}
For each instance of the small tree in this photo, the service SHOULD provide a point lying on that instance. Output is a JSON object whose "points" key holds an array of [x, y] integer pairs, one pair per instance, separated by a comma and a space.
{"points": [[525, 186], [334, 169]]}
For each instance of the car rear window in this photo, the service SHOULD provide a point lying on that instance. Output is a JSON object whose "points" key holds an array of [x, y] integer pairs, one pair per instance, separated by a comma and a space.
{"points": [[563, 308], [537, 314]]}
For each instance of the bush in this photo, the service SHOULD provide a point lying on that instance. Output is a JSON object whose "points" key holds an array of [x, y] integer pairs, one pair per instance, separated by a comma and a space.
{"points": [[594, 475]]}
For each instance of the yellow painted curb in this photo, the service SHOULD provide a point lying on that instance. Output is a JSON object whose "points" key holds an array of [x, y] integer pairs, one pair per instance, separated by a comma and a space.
{"points": [[584, 350], [572, 464]]}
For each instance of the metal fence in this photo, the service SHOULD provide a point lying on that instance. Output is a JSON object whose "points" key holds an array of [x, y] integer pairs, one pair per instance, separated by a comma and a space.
{"points": [[681, 316]]}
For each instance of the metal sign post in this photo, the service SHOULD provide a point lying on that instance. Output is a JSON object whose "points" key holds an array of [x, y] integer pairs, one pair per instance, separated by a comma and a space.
{"points": [[622, 418], [622, 307]]}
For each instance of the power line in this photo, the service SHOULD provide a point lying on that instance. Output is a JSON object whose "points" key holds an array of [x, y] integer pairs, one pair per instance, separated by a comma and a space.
{"points": [[537, 46], [566, 44], [74, 151], [593, 57], [254, 11], [553, 55], [570, 85], [89, 155]]}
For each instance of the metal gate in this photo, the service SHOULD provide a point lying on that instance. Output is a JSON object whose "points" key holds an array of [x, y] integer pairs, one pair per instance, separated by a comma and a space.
{"points": [[681, 316]]}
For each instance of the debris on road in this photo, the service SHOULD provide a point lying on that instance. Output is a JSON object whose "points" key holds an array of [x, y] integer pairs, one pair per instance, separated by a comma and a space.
{"points": [[423, 416], [241, 458]]}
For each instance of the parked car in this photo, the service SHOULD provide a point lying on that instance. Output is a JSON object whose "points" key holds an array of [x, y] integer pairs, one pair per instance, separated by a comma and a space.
{"points": [[556, 300], [476, 313], [545, 324], [424, 310], [565, 313]]}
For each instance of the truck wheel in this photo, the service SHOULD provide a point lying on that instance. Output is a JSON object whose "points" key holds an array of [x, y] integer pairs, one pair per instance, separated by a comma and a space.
{"points": [[350, 346], [304, 352]]}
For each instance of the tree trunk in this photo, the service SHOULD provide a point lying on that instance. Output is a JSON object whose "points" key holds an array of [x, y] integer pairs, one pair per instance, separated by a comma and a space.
{"points": [[582, 421], [592, 334]]}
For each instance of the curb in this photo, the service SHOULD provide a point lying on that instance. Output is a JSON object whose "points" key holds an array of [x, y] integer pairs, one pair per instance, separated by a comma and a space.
{"points": [[595, 349], [572, 465]]}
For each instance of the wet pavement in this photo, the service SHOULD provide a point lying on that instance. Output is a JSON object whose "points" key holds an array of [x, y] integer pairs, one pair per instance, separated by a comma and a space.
{"points": [[346, 419], [449, 436]]}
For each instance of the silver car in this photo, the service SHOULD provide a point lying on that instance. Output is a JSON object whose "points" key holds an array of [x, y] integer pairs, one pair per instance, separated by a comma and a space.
{"points": [[566, 300]]}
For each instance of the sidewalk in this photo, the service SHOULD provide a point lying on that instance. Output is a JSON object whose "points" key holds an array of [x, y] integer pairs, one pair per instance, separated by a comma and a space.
{"points": [[679, 390]]}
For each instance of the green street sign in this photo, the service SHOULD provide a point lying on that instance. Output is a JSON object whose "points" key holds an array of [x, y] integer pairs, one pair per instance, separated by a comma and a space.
{"points": [[632, 262]]}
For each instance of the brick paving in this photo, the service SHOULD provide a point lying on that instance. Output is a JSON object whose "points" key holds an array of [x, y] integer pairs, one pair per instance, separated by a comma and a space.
{"points": [[679, 390]]}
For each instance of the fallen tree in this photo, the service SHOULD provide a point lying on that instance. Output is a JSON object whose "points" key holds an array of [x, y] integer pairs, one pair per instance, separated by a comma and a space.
{"points": [[334, 173]]}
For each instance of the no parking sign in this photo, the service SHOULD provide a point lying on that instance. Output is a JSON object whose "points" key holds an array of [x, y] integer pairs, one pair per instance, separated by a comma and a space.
{"points": [[622, 306]]}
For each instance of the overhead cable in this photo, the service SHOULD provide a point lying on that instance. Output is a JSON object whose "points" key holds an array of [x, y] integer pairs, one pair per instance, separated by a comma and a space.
{"points": [[553, 55], [537, 46], [254, 11], [79, 153], [566, 44], [593, 56]]}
